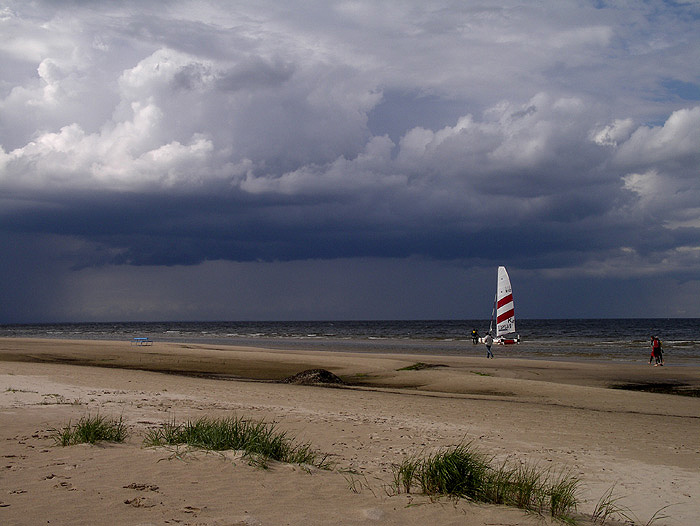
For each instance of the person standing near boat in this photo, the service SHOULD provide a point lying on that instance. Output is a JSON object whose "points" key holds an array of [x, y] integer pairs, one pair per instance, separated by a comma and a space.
{"points": [[488, 340]]}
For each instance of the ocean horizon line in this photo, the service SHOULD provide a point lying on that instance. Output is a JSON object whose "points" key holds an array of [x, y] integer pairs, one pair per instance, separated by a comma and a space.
{"points": [[339, 320]]}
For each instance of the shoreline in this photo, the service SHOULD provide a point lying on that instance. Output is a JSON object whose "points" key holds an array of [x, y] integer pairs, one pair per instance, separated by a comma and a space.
{"points": [[407, 347], [623, 340], [552, 413]]}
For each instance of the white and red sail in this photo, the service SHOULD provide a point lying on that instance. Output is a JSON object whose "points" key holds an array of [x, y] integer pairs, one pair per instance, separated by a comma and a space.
{"points": [[505, 310]]}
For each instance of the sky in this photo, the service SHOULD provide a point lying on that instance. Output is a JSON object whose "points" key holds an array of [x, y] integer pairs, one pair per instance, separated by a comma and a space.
{"points": [[359, 159]]}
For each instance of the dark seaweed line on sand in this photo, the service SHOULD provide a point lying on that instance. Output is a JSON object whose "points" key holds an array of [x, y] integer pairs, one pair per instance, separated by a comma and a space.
{"points": [[672, 388]]}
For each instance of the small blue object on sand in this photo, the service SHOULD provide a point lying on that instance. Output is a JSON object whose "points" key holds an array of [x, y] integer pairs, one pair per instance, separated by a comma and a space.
{"points": [[142, 341]]}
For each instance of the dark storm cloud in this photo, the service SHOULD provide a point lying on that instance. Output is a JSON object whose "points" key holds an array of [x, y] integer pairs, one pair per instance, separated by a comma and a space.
{"points": [[136, 136]]}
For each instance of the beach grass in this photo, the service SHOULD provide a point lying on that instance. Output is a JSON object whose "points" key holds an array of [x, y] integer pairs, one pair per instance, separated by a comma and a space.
{"points": [[92, 429], [464, 472], [610, 508], [562, 491], [259, 440]]}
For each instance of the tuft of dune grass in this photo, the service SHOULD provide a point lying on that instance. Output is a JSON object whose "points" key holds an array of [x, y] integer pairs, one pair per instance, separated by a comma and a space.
{"points": [[92, 429], [259, 440], [464, 472]]}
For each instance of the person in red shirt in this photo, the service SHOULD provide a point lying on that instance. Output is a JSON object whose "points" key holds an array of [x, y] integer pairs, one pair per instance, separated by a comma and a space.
{"points": [[656, 352]]}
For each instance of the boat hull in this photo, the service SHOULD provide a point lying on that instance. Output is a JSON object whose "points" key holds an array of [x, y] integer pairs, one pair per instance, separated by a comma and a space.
{"points": [[511, 340], [507, 341]]}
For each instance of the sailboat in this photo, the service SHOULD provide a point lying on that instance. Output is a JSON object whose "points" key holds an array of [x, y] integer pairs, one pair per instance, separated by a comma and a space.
{"points": [[504, 311]]}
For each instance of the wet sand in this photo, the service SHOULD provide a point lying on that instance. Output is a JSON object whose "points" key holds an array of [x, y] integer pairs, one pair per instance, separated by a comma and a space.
{"points": [[566, 415]]}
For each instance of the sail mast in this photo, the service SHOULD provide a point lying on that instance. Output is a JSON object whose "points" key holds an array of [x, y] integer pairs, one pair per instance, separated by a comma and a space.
{"points": [[493, 312]]}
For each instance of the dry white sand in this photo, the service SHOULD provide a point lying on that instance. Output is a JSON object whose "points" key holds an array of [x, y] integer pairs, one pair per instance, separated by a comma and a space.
{"points": [[557, 414]]}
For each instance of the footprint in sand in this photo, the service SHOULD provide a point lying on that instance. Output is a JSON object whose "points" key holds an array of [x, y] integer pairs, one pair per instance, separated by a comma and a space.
{"points": [[140, 502]]}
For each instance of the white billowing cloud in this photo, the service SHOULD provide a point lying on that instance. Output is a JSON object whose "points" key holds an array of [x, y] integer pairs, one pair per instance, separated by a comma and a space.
{"points": [[261, 108], [369, 171], [467, 140], [175, 109], [613, 134], [111, 160], [153, 76], [669, 155], [509, 142], [678, 140], [49, 72]]}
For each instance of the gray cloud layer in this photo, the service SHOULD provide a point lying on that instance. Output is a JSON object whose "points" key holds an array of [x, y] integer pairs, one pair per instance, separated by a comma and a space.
{"points": [[562, 139]]}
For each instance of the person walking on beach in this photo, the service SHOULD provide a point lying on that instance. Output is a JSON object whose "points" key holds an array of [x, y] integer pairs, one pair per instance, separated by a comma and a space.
{"points": [[475, 336], [488, 340], [656, 352]]}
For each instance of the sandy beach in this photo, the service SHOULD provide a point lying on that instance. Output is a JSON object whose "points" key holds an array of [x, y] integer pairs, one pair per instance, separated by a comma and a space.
{"points": [[568, 415]]}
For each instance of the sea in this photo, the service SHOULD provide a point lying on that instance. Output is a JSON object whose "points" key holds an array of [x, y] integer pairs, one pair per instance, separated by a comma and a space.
{"points": [[626, 340]]}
